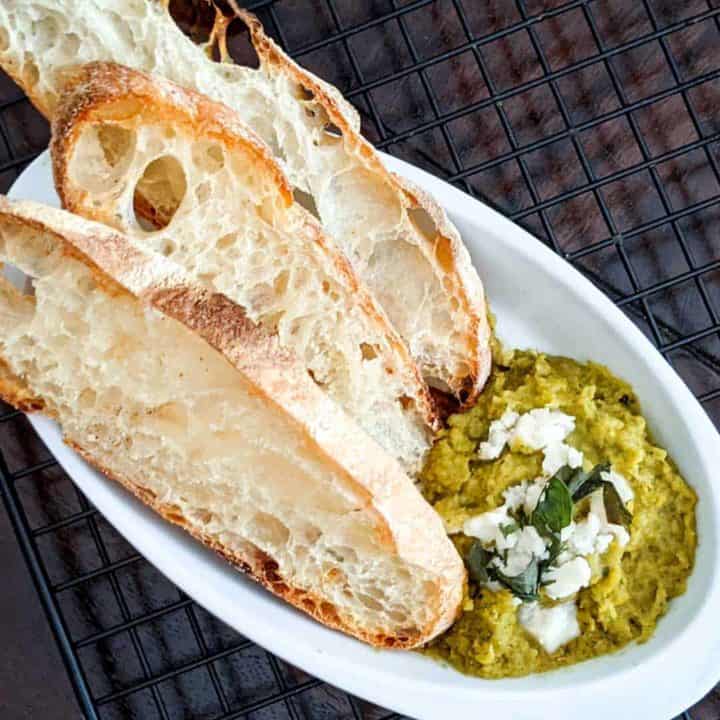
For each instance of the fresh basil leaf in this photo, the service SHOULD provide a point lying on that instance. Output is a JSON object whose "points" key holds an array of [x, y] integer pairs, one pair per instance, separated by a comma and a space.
{"points": [[524, 585], [566, 474], [509, 528], [554, 549], [477, 562], [554, 509], [615, 508], [584, 484], [575, 479]]}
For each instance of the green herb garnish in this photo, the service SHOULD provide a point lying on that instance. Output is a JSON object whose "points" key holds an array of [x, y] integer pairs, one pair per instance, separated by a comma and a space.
{"points": [[554, 509], [524, 585], [553, 512], [582, 484], [615, 508], [477, 562], [555, 548]]}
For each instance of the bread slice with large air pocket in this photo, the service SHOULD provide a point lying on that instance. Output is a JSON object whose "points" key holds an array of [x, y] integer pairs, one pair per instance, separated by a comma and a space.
{"points": [[398, 239], [128, 148], [171, 390]]}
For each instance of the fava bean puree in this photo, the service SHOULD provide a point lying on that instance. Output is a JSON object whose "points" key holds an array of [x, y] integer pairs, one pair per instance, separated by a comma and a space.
{"points": [[631, 584]]}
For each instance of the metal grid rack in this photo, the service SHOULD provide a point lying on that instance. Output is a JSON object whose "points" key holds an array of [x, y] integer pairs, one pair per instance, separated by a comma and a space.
{"points": [[593, 123]]}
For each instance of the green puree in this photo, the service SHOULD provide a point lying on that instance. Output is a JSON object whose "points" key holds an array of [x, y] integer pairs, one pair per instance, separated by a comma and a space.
{"points": [[631, 586]]}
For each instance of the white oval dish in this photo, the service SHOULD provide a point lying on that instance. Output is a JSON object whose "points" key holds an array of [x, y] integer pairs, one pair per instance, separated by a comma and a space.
{"points": [[540, 302]]}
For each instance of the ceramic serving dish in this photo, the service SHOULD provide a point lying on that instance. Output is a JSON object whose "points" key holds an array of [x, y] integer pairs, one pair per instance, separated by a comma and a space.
{"points": [[540, 302]]}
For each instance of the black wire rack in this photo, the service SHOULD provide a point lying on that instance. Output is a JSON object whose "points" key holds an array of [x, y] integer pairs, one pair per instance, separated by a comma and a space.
{"points": [[592, 123]]}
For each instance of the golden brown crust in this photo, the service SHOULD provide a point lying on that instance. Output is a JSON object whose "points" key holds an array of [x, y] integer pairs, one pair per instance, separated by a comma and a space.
{"points": [[107, 91], [128, 96], [29, 87], [65, 241], [15, 392]]}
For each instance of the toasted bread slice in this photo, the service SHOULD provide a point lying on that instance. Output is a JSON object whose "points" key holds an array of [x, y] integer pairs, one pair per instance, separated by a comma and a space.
{"points": [[170, 389], [221, 207], [397, 238]]}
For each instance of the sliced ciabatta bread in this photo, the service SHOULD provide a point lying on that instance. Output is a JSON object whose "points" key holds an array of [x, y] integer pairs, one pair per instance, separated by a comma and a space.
{"points": [[127, 147], [171, 390], [398, 239]]}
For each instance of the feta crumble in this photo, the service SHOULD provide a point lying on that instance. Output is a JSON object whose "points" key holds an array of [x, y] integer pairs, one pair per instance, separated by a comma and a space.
{"points": [[533, 491], [559, 455], [486, 527], [498, 435], [527, 546], [597, 507], [552, 627], [568, 578], [540, 429]]}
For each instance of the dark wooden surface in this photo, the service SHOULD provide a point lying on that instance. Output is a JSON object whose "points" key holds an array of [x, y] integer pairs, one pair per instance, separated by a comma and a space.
{"points": [[594, 124]]}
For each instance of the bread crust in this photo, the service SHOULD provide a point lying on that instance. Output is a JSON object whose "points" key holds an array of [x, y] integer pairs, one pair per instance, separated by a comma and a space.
{"points": [[406, 525], [112, 92], [111, 88], [15, 392]]}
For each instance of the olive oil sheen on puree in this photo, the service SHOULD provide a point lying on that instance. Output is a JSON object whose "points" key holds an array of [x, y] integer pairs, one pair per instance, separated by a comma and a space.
{"points": [[576, 528]]}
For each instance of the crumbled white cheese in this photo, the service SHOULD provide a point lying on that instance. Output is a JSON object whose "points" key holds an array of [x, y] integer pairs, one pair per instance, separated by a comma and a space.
{"points": [[620, 533], [541, 428], [594, 533], [536, 429], [532, 494], [597, 507], [531, 542], [498, 436], [558, 455], [525, 494], [515, 495], [486, 526], [621, 485], [568, 578], [590, 536], [602, 542], [567, 532], [529, 545], [552, 627], [582, 539]]}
